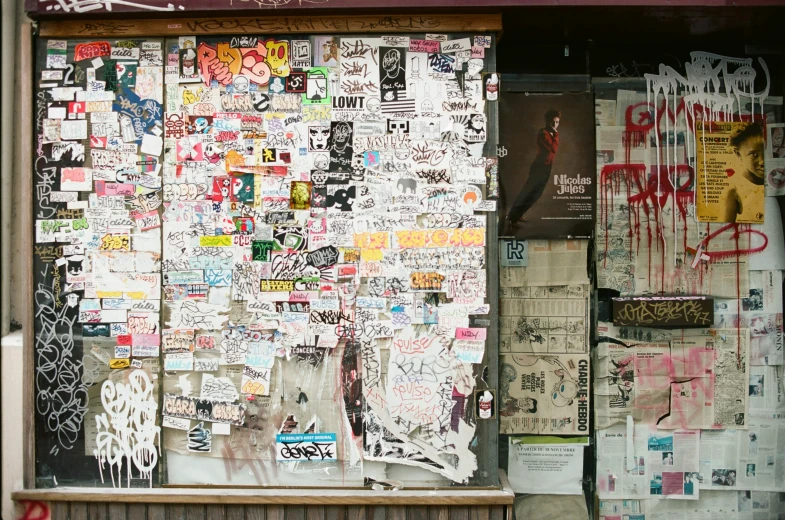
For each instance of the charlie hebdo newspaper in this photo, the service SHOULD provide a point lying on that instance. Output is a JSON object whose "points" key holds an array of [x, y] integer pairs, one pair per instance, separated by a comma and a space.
{"points": [[652, 463], [544, 394], [693, 382]]}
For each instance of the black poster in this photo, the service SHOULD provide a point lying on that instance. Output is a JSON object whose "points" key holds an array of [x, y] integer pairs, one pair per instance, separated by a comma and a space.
{"points": [[546, 165]]}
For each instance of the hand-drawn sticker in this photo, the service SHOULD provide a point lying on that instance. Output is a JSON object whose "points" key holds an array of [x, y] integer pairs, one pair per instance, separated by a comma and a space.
{"points": [[200, 439], [243, 42]]}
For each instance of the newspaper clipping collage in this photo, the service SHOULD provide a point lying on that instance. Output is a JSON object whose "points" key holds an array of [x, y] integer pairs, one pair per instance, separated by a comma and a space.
{"points": [[677, 340]]}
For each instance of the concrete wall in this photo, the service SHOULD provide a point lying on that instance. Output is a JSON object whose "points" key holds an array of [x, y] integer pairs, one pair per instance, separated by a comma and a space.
{"points": [[13, 256], [11, 381]]}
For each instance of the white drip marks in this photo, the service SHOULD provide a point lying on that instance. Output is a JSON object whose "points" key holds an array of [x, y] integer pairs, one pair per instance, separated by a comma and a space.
{"points": [[127, 430], [717, 84]]}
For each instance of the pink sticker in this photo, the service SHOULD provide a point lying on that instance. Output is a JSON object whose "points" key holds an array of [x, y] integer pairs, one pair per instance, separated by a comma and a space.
{"points": [[300, 296], [145, 340], [477, 334], [110, 189], [429, 46]]}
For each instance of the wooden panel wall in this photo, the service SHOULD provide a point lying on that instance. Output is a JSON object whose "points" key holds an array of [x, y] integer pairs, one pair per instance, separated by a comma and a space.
{"points": [[122, 511]]}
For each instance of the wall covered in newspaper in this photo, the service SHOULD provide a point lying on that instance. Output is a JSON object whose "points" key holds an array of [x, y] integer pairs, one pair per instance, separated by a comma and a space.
{"points": [[690, 421], [687, 422], [246, 259]]}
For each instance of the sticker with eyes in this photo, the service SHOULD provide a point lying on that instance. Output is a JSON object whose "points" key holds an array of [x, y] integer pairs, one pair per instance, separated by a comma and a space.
{"points": [[318, 138]]}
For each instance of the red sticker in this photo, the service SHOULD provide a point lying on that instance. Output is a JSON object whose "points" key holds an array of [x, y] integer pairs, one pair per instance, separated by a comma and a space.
{"points": [[87, 51]]}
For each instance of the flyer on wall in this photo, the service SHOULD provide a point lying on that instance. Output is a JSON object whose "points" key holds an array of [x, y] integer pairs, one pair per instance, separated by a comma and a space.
{"points": [[731, 172], [547, 175]]}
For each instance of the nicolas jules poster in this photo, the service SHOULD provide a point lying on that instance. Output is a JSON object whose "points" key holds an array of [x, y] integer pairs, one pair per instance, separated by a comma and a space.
{"points": [[547, 176]]}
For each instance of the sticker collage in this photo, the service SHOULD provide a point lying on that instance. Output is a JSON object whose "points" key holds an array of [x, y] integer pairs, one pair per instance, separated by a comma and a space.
{"points": [[261, 249]]}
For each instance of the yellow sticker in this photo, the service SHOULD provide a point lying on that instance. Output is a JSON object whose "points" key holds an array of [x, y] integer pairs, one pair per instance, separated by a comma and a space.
{"points": [[216, 241], [116, 363]]}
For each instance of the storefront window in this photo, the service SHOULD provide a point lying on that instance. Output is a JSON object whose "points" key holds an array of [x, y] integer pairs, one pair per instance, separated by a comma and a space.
{"points": [[264, 260]]}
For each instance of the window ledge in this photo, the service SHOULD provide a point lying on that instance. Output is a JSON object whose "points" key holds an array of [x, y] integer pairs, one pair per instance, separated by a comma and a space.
{"points": [[503, 495]]}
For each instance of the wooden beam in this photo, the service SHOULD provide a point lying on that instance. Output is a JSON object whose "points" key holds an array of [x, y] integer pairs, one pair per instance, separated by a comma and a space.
{"points": [[264, 25], [24, 156], [336, 496]]}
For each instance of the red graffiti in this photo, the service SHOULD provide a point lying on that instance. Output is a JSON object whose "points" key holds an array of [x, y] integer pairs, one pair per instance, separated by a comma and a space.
{"points": [[35, 510], [648, 190], [737, 231]]}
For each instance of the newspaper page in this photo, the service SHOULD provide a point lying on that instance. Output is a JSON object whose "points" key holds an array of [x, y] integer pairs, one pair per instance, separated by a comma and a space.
{"points": [[546, 465], [692, 382], [665, 464], [747, 460], [731, 374], [775, 159], [605, 112], [551, 262], [544, 394], [621, 388], [741, 505], [611, 147], [548, 320], [761, 313], [766, 391], [730, 181], [629, 333]]}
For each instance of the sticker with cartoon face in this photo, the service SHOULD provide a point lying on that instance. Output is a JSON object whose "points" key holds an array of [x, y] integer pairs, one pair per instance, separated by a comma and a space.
{"points": [[278, 57], [318, 138]]}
